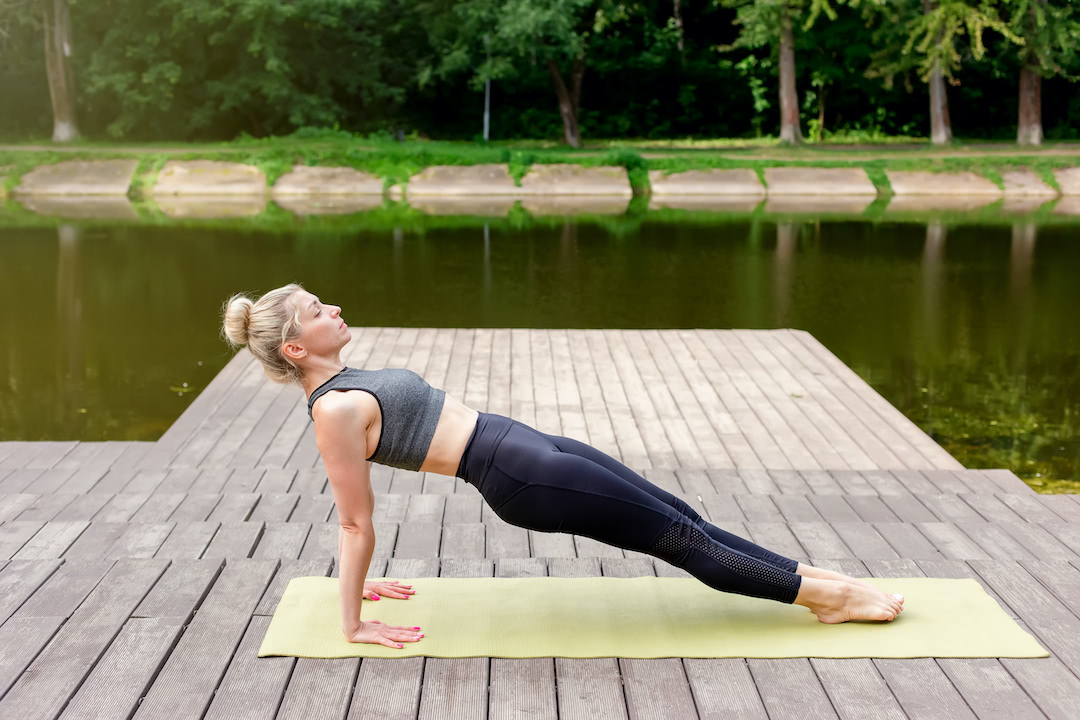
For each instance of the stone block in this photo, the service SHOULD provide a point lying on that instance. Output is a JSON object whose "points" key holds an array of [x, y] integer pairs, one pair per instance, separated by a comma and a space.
{"points": [[910, 182], [579, 205], [442, 180], [79, 177], [479, 205], [921, 203], [818, 204], [303, 180], [742, 181], [1068, 205], [818, 181], [566, 179], [1024, 203], [1025, 182], [208, 177], [328, 204], [1068, 179], [706, 203], [81, 207], [189, 207]]}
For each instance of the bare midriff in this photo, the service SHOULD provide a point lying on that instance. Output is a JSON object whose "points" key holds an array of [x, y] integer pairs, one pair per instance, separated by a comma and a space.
{"points": [[456, 423]]}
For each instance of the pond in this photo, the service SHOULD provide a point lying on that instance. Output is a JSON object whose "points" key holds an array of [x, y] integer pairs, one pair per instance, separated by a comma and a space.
{"points": [[969, 328]]}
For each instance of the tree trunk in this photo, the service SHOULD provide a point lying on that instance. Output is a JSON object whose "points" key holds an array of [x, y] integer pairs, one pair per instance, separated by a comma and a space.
{"points": [[1030, 130], [790, 132], [57, 24], [677, 17], [940, 127], [569, 99], [821, 114]]}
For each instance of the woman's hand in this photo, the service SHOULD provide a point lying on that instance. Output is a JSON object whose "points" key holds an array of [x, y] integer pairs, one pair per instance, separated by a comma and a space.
{"points": [[378, 633], [394, 589]]}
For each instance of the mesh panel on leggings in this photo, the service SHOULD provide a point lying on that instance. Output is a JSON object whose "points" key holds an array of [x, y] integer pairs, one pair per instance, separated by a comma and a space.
{"points": [[674, 541]]}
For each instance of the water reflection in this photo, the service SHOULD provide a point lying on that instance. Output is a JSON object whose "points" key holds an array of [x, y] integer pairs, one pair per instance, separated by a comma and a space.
{"points": [[968, 329]]}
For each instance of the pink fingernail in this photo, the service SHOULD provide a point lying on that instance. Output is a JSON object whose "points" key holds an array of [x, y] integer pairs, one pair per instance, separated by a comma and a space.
{"points": [[374, 596], [400, 645], [416, 628]]}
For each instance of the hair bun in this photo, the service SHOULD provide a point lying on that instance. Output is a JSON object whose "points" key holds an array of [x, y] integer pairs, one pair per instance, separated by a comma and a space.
{"points": [[237, 318]]}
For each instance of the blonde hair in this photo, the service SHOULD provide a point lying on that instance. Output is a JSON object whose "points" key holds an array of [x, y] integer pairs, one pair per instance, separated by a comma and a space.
{"points": [[265, 325]]}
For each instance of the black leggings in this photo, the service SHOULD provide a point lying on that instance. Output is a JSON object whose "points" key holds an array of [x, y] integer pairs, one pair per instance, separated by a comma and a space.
{"points": [[556, 484]]}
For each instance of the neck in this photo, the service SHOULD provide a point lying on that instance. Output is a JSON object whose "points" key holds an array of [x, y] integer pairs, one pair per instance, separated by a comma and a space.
{"points": [[323, 370]]}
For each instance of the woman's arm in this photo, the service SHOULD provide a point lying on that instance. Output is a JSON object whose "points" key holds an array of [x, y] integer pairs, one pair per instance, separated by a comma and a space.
{"points": [[341, 435]]}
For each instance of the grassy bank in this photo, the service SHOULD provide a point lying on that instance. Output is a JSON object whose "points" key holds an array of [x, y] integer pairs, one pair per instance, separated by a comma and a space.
{"points": [[395, 162]]}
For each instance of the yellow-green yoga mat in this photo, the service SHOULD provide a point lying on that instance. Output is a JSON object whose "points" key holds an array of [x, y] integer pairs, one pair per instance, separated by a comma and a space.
{"points": [[646, 617]]}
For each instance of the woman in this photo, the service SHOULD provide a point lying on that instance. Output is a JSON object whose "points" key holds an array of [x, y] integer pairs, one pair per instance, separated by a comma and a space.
{"points": [[534, 480]]}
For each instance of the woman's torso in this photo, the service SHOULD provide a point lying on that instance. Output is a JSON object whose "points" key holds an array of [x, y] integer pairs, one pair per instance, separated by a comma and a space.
{"points": [[456, 423]]}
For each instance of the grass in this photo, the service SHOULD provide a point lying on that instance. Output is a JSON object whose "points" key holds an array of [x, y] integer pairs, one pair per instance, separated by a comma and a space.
{"points": [[396, 162]]}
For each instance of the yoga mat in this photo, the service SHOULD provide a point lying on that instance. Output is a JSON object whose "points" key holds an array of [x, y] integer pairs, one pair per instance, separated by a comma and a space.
{"points": [[646, 617]]}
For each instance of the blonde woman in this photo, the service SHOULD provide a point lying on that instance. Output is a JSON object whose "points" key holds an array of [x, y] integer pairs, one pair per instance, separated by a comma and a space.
{"points": [[531, 479]]}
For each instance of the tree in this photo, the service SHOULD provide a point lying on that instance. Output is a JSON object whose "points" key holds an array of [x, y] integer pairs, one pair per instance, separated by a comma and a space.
{"points": [[555, 33], [55, 22], [923, 34], [1051, 33], [770, 22]]}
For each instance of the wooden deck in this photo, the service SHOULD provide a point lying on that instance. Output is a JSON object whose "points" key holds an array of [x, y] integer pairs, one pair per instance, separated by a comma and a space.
{"points": [[137, 579]]}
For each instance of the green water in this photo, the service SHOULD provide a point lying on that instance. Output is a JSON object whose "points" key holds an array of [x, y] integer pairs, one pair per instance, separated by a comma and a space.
{"points": [[970, 330]]}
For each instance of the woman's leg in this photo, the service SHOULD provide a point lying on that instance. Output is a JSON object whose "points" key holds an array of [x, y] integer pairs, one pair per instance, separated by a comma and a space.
{"points": [[576, 447], [531, 483]]}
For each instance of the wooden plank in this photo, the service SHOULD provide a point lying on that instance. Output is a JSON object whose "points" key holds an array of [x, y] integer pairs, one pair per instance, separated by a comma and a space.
{"points": [[995, 541], [853, 482], [951, 541], [629, 445], [282, 540], [906, 539], [658, 366], [587, 688], [1007, 481], [864, 541], [1029, 509], [180, 590], [188, 540], [64, 590], [393, 685], [819, 385], [140, 540], [908, 508], [834, 508], [14, 534], [234, 507], [919, 684], [185, 685], [274, 506], [653, 687], [51, 541], [158, 508], [312, 508], [275, 481], [54, 676], [46, 507], [22, 640], [796, 508], [759, 507], [990, 507], [11, 504], [1047, 681], [234, 540], [288, 570], [826, 441], [19, 481], [19, 580], [456, 687], [322, 542], [252, 687], [871, 508], [84, 507], [821, 482], [893, 420], [522, 687], [121, 507], [197, 507], [820, 540], [118, 681], [96, 541], [418, 540], [574, 368]]}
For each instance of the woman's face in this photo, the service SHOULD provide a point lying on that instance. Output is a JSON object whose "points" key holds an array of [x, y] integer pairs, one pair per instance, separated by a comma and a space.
{"points": [[324, 333]]}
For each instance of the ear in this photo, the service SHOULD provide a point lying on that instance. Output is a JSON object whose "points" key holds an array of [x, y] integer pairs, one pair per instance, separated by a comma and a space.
{"points": [[293, 351]]}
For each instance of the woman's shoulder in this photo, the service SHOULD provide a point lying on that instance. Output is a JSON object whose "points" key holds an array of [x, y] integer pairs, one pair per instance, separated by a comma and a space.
{"points": [[339, 407]]}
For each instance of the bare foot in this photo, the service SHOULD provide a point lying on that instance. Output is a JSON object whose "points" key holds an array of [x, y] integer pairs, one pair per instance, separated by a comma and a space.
{"points": [[833, 601], [822, 574]]}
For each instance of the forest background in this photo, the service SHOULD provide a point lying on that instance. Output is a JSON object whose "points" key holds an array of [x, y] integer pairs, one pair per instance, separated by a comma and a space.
{"points": [[864, 70]]}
